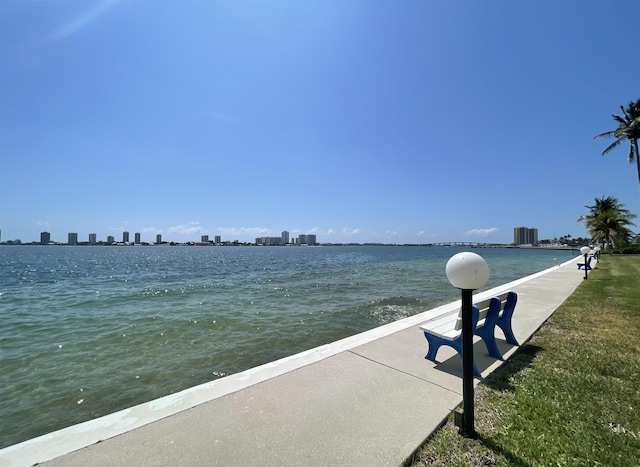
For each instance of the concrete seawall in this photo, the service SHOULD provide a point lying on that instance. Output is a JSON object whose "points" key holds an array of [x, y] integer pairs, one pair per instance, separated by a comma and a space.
{"points": [[368, 399]]}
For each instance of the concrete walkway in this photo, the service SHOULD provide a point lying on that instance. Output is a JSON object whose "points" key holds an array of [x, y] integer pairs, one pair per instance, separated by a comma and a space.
{"points": [[370, 399]]}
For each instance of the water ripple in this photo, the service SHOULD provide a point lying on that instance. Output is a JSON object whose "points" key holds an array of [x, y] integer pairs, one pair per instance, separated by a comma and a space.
{"points": [[91, 330]]}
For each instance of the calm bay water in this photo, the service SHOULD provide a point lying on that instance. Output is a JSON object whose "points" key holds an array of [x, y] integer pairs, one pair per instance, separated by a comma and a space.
{"points": [[87, 331]]}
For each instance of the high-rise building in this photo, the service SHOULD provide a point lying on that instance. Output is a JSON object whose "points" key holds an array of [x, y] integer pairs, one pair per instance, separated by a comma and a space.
{"points": [[217, 239], [158, 239], [45, 238], [525, 236], [285, 237], [204, 239], [520, 235], [302, 239], [72, 239], [111, 239], [137, 237], [93, 238], [311, 239], [269, 241], [125, 237]]}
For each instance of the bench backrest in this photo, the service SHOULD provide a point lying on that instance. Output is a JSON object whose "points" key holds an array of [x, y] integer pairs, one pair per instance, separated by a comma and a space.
{"points": [[483, 308]]}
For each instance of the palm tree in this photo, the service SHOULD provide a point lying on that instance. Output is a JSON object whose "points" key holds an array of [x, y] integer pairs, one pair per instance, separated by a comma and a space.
{"points": [[628, 129], [608, 221]]}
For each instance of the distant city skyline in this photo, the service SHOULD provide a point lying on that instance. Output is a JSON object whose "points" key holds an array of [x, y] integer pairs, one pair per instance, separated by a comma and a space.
{"points": [[74, 239], [522, 236]]}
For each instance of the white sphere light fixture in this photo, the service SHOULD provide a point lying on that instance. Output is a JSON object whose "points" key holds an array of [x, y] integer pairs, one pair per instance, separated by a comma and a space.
{"points": [[467, 271], [585, 250]]}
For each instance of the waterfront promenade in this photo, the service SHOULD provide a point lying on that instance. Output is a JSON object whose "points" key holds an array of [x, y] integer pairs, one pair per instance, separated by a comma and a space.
{"points": [[370, 399]]}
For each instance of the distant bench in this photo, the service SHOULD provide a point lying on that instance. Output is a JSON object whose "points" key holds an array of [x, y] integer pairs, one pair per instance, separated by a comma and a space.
{"points": [[486, 315], [588, 264]]}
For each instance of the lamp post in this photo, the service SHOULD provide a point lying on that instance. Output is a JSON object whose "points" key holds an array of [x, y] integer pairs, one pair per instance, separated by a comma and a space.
{"points": [[596, 252], [585, 251], [467, 272]]}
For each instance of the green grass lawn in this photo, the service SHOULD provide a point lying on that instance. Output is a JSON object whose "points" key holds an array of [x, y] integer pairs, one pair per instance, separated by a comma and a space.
{"points": [[571, 395]]}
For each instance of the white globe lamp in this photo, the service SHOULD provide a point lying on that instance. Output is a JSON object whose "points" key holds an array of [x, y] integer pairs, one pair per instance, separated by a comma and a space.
{"points": [[467, 271]]}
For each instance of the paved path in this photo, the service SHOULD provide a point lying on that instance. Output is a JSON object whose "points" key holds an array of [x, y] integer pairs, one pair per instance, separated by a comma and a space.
{"points": [[370, 399]]}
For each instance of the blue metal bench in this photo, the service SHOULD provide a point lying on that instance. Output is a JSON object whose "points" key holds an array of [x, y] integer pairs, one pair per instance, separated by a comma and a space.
{"points": [[486, 315], [581, 265]]}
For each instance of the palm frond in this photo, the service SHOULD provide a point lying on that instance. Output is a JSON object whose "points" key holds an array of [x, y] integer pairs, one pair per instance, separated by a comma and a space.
{"points": [[608, 220], [624, 112], [631, 157], [628, 130], [621, 121], [612, 146], [606, 134]]}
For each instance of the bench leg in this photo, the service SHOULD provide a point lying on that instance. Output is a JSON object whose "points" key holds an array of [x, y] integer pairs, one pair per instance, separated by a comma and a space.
{"points": [[434, 344], [489, 340], [508, 332]]}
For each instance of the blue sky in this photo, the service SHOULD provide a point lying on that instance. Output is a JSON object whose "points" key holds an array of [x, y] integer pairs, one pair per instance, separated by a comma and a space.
{"points": [[360, 121]]}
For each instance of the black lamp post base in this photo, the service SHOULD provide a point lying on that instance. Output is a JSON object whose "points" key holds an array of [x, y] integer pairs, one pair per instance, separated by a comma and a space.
{"points": [[458, 421]]}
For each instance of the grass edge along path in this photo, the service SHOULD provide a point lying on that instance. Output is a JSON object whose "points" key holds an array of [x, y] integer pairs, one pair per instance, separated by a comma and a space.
{"points": [[571, 394]]}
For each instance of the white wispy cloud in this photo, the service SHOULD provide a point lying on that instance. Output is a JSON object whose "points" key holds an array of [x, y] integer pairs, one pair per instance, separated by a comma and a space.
{"points": [[393, 233], [73, 26], [349, 231], [481, 232], [190, 228], [241, 231]]}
